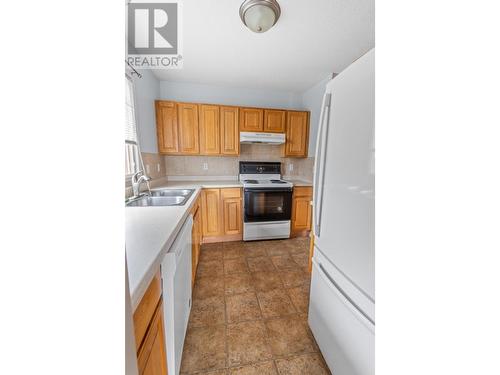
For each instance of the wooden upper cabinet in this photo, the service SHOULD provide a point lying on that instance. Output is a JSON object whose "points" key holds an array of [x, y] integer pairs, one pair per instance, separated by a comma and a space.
{"points": [[251, 119], [211, 213], [297, 133], [209, 129], [274, 121], [229, 131], [166, 127], [188, 128]]}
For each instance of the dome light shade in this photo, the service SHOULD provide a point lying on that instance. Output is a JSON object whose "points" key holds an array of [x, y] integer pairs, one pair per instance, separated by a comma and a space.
{"points": [[260, 15]]}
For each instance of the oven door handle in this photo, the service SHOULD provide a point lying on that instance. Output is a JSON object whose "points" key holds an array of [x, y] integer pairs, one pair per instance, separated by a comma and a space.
{"points": [[268, 190]]}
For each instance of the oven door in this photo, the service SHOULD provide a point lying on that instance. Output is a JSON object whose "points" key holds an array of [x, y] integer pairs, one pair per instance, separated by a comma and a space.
{"points": [[267, 204]]}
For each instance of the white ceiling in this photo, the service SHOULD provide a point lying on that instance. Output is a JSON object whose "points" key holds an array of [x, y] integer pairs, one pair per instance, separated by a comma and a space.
{"points": [[311, 39]]}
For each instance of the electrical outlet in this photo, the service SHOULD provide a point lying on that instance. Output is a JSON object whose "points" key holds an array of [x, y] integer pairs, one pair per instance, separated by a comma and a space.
{"points": [[158, 167], [205, 166], [290, 167], [147, 169]]}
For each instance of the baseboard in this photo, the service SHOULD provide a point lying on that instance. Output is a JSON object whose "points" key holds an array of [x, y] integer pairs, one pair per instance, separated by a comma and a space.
{"points": [[227, 238]]}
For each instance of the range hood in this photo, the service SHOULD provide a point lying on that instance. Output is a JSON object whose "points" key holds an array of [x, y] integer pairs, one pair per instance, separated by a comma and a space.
{"points": [[267, 138]]}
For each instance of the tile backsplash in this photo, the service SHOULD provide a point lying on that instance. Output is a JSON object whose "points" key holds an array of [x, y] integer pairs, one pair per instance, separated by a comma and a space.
{"points": [[228, 166], [160, 167]]}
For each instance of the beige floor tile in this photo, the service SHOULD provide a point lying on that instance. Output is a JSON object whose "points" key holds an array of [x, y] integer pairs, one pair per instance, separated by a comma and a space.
{"points": [[241, 307], [247, 343], [211, 268], [307, 364], [300, 297], [264, 281], [276, 248], [254, 249], [301, 259], [212, 254], [237, 265], [260, 264], [264, 368], [294, 277], [283, 262], [238, 283], [208, 286], [207, 311], [216, 372], [204, 349], [298, 245], [275, 303], [289, 336], [233, 250]]}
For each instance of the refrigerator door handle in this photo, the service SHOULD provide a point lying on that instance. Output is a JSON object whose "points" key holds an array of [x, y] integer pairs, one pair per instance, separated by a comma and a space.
{"points": [[340, 291], [320, 163]]}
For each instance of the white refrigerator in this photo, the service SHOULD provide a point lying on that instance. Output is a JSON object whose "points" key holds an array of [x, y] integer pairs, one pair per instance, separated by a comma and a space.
{"points": [[342, 298]]}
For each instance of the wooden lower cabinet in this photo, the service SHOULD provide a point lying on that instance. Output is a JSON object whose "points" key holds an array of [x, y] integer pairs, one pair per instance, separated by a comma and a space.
{"points": [[301, 211], [149, 331], [231, 203], [152, 357], [211, 213], [222, 218]]}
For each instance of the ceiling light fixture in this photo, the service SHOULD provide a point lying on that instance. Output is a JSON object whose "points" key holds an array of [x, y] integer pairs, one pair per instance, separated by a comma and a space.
{"points": [[260, 15]]}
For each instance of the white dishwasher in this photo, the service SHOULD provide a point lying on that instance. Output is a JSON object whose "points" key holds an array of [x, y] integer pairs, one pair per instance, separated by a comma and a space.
{"points": [[176, 280]]}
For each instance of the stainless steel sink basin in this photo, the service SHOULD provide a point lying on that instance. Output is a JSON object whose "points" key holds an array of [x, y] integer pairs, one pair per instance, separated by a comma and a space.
{"points": [[171, 192], [162, 197]]}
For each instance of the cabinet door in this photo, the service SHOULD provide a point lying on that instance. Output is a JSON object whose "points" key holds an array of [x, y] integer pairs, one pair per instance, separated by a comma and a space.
{"points": [[166, 127], [231, 202], [188, 128], [209, 130], [274, 121], [229, 131], [211, 212], [251, 120], [152, 358], [297, 134], [301, 213]]}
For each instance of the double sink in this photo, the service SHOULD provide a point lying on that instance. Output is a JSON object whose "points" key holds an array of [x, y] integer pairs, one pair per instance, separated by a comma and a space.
{"points": [[161, 197]]}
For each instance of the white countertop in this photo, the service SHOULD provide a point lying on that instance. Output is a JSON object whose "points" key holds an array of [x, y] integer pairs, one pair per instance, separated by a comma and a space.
{"points": [[149, 234], [298, 182], [204, 184]]}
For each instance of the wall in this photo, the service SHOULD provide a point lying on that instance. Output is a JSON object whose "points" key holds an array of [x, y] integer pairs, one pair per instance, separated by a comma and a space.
{"points": [[311, 100], [147, 90], [193, 92]]}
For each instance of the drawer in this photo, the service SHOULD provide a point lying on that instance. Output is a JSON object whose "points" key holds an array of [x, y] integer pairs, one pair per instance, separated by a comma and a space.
{"points": [[231, 193], [302, 191], [146, 309]]}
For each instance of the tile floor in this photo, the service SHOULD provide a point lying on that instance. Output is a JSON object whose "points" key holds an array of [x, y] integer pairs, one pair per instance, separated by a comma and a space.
{"points": [[249, 313]]}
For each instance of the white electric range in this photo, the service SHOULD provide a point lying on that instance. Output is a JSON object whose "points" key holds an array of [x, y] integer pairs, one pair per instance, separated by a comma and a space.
{"points": [[267, 203]]}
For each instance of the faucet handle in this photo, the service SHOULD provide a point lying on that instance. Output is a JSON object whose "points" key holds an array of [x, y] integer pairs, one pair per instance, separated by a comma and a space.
{"points": [[137, 175]]}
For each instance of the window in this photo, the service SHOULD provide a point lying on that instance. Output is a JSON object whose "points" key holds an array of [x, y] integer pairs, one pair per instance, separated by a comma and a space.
{"points": [[132, 155]]}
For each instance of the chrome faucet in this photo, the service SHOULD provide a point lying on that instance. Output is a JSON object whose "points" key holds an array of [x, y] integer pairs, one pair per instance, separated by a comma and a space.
{"points": [[136, 180]]}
